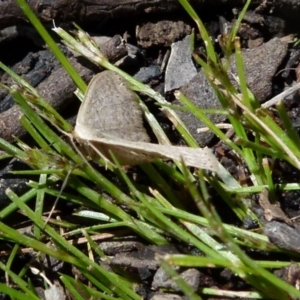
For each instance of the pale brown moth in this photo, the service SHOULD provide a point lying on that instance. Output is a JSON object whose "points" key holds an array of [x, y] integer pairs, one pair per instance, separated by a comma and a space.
{"points": [[110, 119]]}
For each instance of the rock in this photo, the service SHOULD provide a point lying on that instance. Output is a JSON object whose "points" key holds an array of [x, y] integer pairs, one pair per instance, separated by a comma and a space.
{"points": [[34, 68], [260, 65], [200, 92], [283, 235], [180, 69], [146, 74], [161, 33], [17, 183], [162, 280]]}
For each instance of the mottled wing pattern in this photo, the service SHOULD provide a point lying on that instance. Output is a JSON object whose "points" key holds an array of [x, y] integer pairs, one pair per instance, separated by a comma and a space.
{"points": [[110, 109]]}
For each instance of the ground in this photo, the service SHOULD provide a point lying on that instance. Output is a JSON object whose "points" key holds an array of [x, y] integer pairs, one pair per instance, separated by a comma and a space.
{"points": [[155, 49]]}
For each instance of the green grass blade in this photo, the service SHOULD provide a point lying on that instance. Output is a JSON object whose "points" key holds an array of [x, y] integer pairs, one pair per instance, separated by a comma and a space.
{"points": [[52, 45]]}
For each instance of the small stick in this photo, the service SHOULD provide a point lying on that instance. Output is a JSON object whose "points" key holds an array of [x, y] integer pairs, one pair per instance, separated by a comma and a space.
{"points": [[281, 96]]}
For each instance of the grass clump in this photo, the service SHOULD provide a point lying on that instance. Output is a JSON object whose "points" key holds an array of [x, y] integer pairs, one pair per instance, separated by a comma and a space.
{"points": [[155, 211]]}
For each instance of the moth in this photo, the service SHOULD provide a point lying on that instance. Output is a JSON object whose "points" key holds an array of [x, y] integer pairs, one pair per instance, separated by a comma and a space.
{"points": [[110, 119]]}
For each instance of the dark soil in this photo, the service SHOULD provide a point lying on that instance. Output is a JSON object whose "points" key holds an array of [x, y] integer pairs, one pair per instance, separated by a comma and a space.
{"points": [[150, 37]]}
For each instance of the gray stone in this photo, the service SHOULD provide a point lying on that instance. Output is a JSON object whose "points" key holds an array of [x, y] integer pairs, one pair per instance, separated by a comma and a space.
{"points": [[162, 280], [260, 65], [180, 69], [146, 74]]}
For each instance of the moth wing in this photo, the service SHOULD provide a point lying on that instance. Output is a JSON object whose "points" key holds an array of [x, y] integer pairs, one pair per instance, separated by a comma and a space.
{"points": [[110, 108], [135, 153]]}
